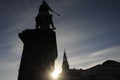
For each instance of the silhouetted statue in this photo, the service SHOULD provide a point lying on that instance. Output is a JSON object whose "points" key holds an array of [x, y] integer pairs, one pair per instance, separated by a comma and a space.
{"points": [[39, 48], [44, 18]]}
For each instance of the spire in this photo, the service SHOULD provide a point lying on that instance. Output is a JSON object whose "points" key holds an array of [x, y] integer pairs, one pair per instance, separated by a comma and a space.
{"points": [[65, 57], [65, 65]]}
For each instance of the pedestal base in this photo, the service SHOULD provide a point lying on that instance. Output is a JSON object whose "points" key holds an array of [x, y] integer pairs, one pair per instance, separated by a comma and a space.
{"points": [[39, 54]]}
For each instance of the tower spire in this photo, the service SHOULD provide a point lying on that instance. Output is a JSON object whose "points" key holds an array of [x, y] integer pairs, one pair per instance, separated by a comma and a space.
{"points": [[65, 65]]}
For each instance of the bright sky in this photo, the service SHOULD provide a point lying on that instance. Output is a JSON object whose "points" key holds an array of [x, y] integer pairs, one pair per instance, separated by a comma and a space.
{"points": [[89, 30]]}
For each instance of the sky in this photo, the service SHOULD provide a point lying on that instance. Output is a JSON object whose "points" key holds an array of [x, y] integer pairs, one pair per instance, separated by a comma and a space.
{"points": [[89, 31]]}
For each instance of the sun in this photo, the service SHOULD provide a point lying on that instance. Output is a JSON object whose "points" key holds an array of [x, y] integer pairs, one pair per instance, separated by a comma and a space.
{"points": [[55, 74]]}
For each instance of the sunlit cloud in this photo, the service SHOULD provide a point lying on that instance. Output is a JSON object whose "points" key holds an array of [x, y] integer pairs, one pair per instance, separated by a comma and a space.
{"points": [[95, 58], [109, 51]]}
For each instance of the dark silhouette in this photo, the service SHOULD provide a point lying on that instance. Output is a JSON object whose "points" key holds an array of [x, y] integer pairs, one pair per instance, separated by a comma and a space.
{"points": [[40, 48], [39, 54], [44, 18], [65, 64]]}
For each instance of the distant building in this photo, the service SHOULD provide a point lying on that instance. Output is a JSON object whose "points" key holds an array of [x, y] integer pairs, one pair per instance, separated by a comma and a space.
{"points": [[109, 70], [67, 73]]}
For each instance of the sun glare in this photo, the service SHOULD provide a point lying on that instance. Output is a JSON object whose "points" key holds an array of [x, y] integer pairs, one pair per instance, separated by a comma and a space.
{"points": [[55, 74]]}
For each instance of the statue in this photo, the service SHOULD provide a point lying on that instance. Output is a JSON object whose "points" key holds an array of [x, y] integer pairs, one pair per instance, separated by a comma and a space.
{"points": [[44, 18]]}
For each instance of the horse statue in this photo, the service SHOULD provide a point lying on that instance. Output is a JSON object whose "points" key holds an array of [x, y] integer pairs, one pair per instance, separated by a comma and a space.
{"points": [[44, 18], [42, 21]]}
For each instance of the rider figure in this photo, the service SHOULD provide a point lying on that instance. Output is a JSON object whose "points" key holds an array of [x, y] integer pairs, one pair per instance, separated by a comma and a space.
{"points": [[44, 10]]}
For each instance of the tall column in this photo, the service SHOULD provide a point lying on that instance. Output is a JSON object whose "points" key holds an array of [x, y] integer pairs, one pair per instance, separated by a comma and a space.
{"points": [[39, 54]]}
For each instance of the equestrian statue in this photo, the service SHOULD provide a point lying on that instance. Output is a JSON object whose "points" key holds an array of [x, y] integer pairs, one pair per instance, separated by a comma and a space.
{"points": [[44, 18]]}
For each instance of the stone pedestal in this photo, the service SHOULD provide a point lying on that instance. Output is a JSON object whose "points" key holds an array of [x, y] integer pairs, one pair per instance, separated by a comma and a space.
{"points": [[39, 54]]}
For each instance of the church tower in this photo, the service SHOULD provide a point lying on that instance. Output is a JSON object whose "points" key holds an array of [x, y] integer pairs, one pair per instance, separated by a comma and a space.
{"points": [[65, 65]]}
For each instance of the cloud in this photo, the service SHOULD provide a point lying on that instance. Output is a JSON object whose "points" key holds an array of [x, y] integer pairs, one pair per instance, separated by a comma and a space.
{"points": [[109, 51]]}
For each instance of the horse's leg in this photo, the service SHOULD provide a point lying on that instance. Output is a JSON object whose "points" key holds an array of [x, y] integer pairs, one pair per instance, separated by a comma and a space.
{"points": [[37, 23]]}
